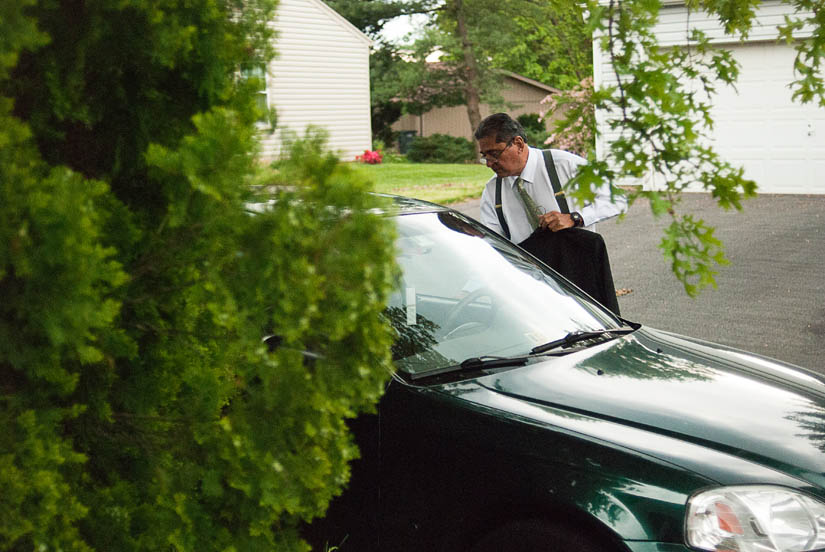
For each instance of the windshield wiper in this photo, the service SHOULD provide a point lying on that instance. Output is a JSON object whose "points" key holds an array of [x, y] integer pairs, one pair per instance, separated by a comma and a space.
{"points": [[488, 361], [575, 337], [474, 363]]}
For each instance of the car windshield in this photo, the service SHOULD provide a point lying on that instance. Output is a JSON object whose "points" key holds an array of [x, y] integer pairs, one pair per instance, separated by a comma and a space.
{"points": [[466, 292]]}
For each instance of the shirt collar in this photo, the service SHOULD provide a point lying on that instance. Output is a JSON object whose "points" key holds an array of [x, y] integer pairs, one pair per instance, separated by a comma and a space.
{"points": [[528, 174]]}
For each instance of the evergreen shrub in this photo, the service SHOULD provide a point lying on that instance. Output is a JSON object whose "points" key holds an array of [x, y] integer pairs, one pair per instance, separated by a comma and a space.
{"points": [[140, 409], [534, 129], [441, 148]]}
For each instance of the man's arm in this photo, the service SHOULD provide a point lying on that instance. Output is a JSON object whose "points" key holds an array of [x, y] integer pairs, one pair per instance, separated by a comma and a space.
{"points": [[489, 217]]}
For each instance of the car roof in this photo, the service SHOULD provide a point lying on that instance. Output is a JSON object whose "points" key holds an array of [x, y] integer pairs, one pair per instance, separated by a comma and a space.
{"points": [[401, 205], [396, 205]]}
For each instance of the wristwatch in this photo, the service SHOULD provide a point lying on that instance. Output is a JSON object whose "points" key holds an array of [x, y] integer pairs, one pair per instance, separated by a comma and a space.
{"points": [[577, 219]]}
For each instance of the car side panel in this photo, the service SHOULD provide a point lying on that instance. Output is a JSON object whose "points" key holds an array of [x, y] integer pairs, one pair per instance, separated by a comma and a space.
{"points": [[452, 469]]}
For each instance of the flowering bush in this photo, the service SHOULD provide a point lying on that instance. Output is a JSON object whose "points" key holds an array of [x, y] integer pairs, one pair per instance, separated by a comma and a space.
{"points": [[371, 157], [574, 129]]}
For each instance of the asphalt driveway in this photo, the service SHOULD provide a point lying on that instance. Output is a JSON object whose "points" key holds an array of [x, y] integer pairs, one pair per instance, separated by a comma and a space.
{"points": [[769, 300]]}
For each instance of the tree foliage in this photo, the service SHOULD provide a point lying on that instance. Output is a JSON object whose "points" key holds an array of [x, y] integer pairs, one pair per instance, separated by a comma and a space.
{"points": [[548, 43], [141, 409], [425, 85], [400, 84], [659, 108], [385, 107]]}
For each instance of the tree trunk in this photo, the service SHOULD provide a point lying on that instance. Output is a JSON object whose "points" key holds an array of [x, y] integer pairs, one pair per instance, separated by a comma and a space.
{"points": [[470, 70]]}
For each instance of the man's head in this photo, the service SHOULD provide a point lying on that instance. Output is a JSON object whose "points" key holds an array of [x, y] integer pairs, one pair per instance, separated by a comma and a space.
{"points": [[503, 144]]}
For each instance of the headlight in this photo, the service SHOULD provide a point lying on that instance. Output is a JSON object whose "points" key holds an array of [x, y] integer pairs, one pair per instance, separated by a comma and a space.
{"points": [[755, 519]]}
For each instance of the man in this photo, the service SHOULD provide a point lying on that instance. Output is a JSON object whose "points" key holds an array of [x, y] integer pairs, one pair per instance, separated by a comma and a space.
{"points": [[532, 215], [504, 147]]}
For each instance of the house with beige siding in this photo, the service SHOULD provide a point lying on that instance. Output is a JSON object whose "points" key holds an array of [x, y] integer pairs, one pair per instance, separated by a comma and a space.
{"points": [[779, 143], [320, 77], [521, 95]]}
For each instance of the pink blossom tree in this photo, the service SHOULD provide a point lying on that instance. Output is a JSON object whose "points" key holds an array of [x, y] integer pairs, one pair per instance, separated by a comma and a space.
{"points": [[574, 129]]}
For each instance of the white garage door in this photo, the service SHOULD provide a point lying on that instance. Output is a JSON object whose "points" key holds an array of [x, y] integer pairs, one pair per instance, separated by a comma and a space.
{"points": [[780, 143]]}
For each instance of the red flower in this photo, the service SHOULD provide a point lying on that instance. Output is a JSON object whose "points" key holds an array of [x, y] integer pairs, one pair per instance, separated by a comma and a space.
{"points": [[371, 157]]}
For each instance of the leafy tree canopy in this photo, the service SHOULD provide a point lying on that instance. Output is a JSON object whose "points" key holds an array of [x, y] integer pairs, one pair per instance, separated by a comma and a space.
{"points": [[548, 42], [141, 409]]}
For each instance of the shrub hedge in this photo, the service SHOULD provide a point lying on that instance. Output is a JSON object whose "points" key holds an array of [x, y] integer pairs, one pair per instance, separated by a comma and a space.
{"points": [[440, 148]]}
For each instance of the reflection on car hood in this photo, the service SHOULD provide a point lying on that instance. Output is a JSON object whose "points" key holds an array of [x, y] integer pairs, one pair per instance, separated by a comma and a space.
{"points": [[736, 403]]}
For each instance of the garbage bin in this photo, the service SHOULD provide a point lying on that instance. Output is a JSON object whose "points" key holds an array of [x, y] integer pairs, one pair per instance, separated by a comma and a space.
{"points": [[405, 138]]}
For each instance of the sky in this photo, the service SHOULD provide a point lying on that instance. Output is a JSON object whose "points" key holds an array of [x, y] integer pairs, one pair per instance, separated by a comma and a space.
{"points": [[396, 28]]}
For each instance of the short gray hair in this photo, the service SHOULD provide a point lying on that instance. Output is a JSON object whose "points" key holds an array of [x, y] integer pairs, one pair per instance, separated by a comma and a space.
{"points": [[502, 126]]}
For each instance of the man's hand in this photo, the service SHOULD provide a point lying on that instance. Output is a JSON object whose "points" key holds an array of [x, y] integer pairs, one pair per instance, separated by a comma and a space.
{"points": [[556, 221]]}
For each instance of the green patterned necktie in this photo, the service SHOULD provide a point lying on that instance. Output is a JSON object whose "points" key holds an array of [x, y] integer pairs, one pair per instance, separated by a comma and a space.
{"points": [[531, 209]]}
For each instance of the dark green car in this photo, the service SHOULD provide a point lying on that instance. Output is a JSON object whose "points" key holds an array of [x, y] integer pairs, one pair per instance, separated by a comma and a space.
{"points": [[525, 416]]}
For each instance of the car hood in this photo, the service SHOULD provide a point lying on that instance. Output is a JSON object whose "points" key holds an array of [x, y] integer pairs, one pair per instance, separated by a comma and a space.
{"points": [[686, 390]]}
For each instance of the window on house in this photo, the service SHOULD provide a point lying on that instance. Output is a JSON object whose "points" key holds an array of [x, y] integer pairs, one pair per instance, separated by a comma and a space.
{"points": [[257, 72]]}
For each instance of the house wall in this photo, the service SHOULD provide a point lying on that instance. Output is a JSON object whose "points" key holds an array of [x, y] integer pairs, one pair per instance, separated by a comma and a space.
{"points": [[320, 77], [671, 28], [758, 126], [521, 97]]}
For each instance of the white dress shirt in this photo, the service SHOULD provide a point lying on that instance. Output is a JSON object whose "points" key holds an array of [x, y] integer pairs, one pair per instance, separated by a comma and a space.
{"points": [[538, 185]]}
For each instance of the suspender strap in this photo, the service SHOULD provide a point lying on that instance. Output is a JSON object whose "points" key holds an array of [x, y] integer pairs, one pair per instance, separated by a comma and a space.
{"points": [[500, 211], [554, 179]]}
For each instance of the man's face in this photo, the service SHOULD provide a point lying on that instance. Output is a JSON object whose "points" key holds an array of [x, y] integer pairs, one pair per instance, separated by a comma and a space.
{"points": [[504, 158]]}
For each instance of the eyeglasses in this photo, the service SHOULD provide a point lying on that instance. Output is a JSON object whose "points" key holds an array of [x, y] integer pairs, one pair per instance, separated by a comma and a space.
{"points": [[492, 156]]}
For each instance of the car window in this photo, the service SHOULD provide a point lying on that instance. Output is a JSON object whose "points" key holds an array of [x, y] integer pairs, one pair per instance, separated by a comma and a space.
{"points": [[464, 292]]}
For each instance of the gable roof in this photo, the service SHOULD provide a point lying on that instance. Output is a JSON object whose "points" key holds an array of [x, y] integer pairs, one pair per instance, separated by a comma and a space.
{"points": [[342, 20], [531, 82]]}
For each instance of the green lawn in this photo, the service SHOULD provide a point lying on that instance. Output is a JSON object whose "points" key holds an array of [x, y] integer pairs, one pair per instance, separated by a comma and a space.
{"points": [[439, 183]]}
